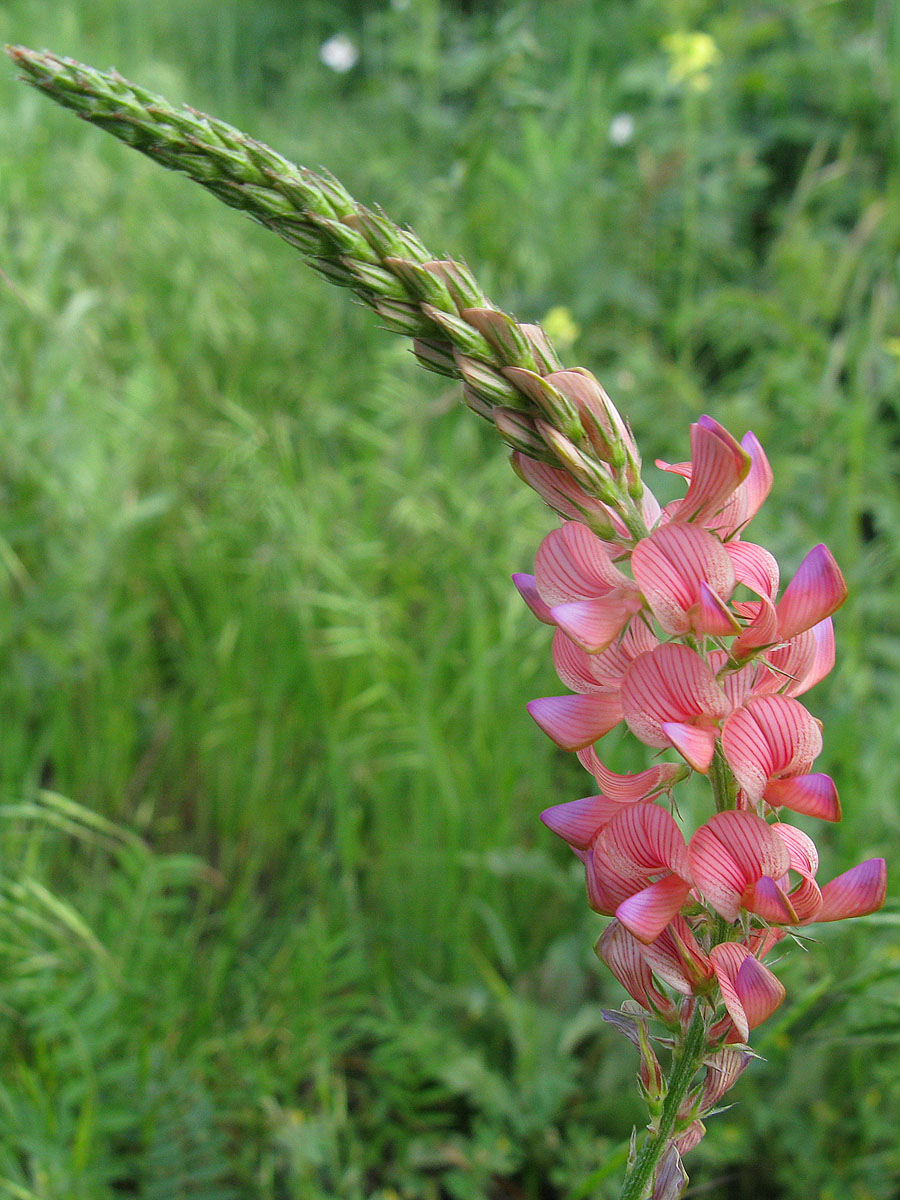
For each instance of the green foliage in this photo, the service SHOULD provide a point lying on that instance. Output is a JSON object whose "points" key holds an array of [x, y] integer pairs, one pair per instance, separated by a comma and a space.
{"points": [[255, 606]]}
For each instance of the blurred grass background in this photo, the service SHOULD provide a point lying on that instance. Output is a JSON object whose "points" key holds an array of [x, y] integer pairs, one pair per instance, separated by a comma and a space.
{"points": [[277, 917]]}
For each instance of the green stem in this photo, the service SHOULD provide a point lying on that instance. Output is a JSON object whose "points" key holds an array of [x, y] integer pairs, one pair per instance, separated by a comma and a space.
{"points": [[723, 783], [687, 1059]]}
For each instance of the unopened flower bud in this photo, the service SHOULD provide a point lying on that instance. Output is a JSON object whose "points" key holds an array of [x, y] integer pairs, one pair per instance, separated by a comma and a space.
{"points": [[503, 333]]}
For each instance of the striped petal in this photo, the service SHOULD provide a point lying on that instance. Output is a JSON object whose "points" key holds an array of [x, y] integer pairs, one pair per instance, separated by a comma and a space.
{"points": [[762, 629], [806, 659], [672, 565], [622, 954], [730, 853], [718, 465], [594, 624], [750, 991], [858, 891], [769, 736], [629, 788], [648, 912], [558, 489], [670, 683], [754, 567], [723, 1070], [575, 721], [574, 564], [812, 795], [676, 958], [579, 821], [526, 586], [643, 839], [816, 591], [576, 668]]}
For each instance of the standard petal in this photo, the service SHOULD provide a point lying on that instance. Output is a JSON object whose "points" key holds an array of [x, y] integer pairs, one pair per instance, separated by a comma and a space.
{"points": [[730, 853], [754, 567], [859, 891], [527, 589], [812, 795], [816, 591], [576, 721], [643, 839], [574, 564], [769, 736], [807, 658], [648, 912], [670, 567], [578, 670], [670, 683], [718, 465], [676, 958]]}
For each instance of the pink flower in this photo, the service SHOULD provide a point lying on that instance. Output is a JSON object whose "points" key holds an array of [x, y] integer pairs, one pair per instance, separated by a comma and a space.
{"points": [[687, 576], [670, 697]]}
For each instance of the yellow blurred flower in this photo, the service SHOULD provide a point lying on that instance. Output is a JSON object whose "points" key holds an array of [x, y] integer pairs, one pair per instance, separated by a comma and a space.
{"points": [[690, 57], [561, 327]]}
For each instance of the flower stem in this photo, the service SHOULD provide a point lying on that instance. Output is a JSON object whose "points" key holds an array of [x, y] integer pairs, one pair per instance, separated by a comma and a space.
{"points": [[686, 1061]]}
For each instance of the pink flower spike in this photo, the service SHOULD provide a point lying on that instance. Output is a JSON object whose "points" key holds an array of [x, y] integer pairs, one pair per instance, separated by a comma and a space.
{"points": [[594, 624], [718, 465], [575, 721], [647, 913], [579, 821], [812, 795], [670, 683], [730, 854], [671, 568], [696, 744], [622, 954], [750, 991], [816, 591], [574, 564], [859, 891], [769, 737], [628, 788], [527, 589]]}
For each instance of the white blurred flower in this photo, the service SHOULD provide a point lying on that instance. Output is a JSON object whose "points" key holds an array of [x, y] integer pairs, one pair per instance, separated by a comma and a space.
{"points": [[399, 5], [339, 53], [621, 129]]}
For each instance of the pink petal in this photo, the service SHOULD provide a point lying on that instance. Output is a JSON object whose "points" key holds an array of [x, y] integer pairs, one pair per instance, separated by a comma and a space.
{"points": [[694, 743], [761, 631], [729, 853], [758, 483], [648, 912], [802, 853], [629, 788], [576, 721], [527, 589], [711, 615], [812, 795], [816, 591], [718, 464], [579, 821], [859, 891], [607, 887], [670, 683], [750, 991], [676, 958], [642, 839], [769, 736], [754, 567], [594, 624], [670, 567], [578, 670], [809, 657], [622, 954], [574, 564], [685, 1142], [723, 1069], [769, 901]]}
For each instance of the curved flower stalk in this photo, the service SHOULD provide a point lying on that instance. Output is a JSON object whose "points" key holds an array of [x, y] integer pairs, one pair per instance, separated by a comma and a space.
{"points": [[665, 619]]}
